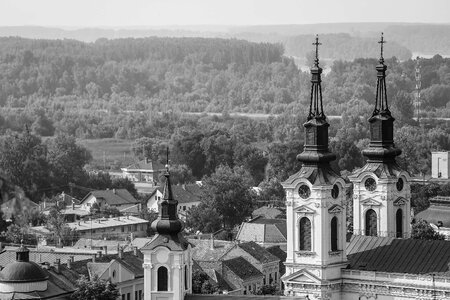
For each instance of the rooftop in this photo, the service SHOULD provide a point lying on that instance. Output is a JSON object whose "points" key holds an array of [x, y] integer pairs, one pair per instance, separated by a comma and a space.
{"points": [[387, 254], [145, 164], [186, 193], [202, 250], [258, 252], [113, 197], [242, 268]]}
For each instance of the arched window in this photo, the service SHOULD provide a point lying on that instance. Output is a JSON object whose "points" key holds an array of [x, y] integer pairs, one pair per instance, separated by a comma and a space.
{"points": [[305, 234], [334, 234], [162, 279], [185, 278], [399, 223], [371, 223]]}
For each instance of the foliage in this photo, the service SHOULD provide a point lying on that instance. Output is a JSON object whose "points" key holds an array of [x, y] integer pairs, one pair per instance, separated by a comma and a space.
{"points": [[272, 191], [421, 230], [150, 216], [201, 283], [203, 218], [95, 289], [228, 192], [58, 227]]}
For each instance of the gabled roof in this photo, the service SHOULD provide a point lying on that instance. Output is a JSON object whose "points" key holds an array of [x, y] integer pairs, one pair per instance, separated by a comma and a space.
{"points": [[145, 164], [97, 269], [258, 252], [387, 254], [17, 205], [263, 230], [242, 268], [186, 193], [113, 197], [267, 212], [434, 214], [202, 250]]}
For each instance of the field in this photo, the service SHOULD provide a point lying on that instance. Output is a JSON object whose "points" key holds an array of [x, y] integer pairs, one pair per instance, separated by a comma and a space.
{"points": [[109, 154]]}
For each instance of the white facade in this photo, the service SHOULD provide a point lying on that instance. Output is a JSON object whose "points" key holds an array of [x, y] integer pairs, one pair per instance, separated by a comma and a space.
{"points": [[389, 198], [178, 265], [320, 263], [440, 165]]}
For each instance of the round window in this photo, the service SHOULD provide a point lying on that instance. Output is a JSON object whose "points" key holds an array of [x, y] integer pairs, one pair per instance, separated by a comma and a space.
{"points": [[335, 191], [304, 191], [399, 184], [370, 184]]}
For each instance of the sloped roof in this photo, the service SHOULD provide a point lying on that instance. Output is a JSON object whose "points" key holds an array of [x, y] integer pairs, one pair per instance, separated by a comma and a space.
{"points": [[278, 252], [96, 269], [315, 175], [202, 250], [139, 242], [267, 212], [263, 230], [111, 245], [15, 205], [434, 214], [145, 164], [186, 193], [242, 268], [387, 254], [239, 297], [258, 252], [113, 197], [381, 170]]}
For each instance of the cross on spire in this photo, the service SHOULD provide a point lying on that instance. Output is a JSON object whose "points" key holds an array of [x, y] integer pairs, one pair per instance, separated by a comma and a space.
{"points": [[167, 159], [381, 42], [316, 61]]}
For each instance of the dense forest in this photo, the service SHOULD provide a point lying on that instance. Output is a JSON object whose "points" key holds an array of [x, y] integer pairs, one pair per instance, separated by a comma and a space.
{"points": [[142, 88]]}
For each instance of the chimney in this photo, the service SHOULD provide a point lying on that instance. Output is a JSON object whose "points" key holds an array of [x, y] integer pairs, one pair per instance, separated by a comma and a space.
{"points": [[120, 252], [93, 258], [73, 205], [212, 241], [105, 249], [57, 264], [69, 263], [135, 251]]}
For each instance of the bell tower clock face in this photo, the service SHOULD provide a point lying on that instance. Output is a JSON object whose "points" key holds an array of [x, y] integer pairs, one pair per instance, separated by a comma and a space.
{"points": [[304, 191]]}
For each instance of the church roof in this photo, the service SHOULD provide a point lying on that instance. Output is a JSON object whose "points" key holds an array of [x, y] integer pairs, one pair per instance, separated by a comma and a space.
{"points": [[263, 230], [242, 268], [317, 176], [380, 169], [392, 255], [258, 252]]}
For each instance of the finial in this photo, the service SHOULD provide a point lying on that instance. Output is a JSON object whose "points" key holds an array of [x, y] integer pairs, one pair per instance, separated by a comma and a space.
{"points": [[382, 41], [167, 159], [316, 60]]}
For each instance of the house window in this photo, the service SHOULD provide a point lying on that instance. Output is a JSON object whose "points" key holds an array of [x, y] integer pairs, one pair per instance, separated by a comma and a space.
{"points": [[135, 295], [184, 207], [123, 228], [140, 294], [334, 234], [276, 277], [128, 296], [270, 278], [305, 234], [123, 296], [264, 280], [162, 279], [135, 227], [399, 223], [371, 223]]}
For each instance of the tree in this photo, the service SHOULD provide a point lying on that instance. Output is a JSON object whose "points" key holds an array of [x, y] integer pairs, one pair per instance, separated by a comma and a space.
{"points": [[95, 289], [67, 160], [203, 218], [251, 159], [58, 227], [421, 230], [228, 191], [179, 174], [268, 289], [22, 157], [272, 191], [283, 159], [187, 151], [201, 283]]}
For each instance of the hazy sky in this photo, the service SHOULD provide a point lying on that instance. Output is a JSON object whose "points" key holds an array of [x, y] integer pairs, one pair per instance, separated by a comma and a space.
{"points": [[121, 13]]}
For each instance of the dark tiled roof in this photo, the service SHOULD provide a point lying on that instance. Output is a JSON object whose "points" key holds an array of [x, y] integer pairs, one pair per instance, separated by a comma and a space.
{"points": [[202, 250], [434, 214], [258, 252], [242, 268], [184, 193], [267, 221], [281, 254], [239, 297], [385, 254], [114, 196], [323, 175], [267, 212]]}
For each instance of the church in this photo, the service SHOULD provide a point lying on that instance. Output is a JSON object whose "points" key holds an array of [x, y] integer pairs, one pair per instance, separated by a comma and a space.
{"points": [[379, 261]]}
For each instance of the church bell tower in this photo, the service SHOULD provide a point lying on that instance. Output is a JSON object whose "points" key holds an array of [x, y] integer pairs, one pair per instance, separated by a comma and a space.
{"points": [[381, 189], [167, 257], [315, 210]]}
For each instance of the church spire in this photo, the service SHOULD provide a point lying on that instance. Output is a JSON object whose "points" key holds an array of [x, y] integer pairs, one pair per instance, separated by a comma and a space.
{"points": [[381, 147], [316, 106], [316, 128], [168, 221], [381, 105]]}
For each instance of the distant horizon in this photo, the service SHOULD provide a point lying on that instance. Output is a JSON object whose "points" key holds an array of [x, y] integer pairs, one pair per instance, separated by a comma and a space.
{"points": [[162, 13]]}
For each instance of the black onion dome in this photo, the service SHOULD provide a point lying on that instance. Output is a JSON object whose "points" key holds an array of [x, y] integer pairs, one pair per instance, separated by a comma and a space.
{"points": [[22, 270]]}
